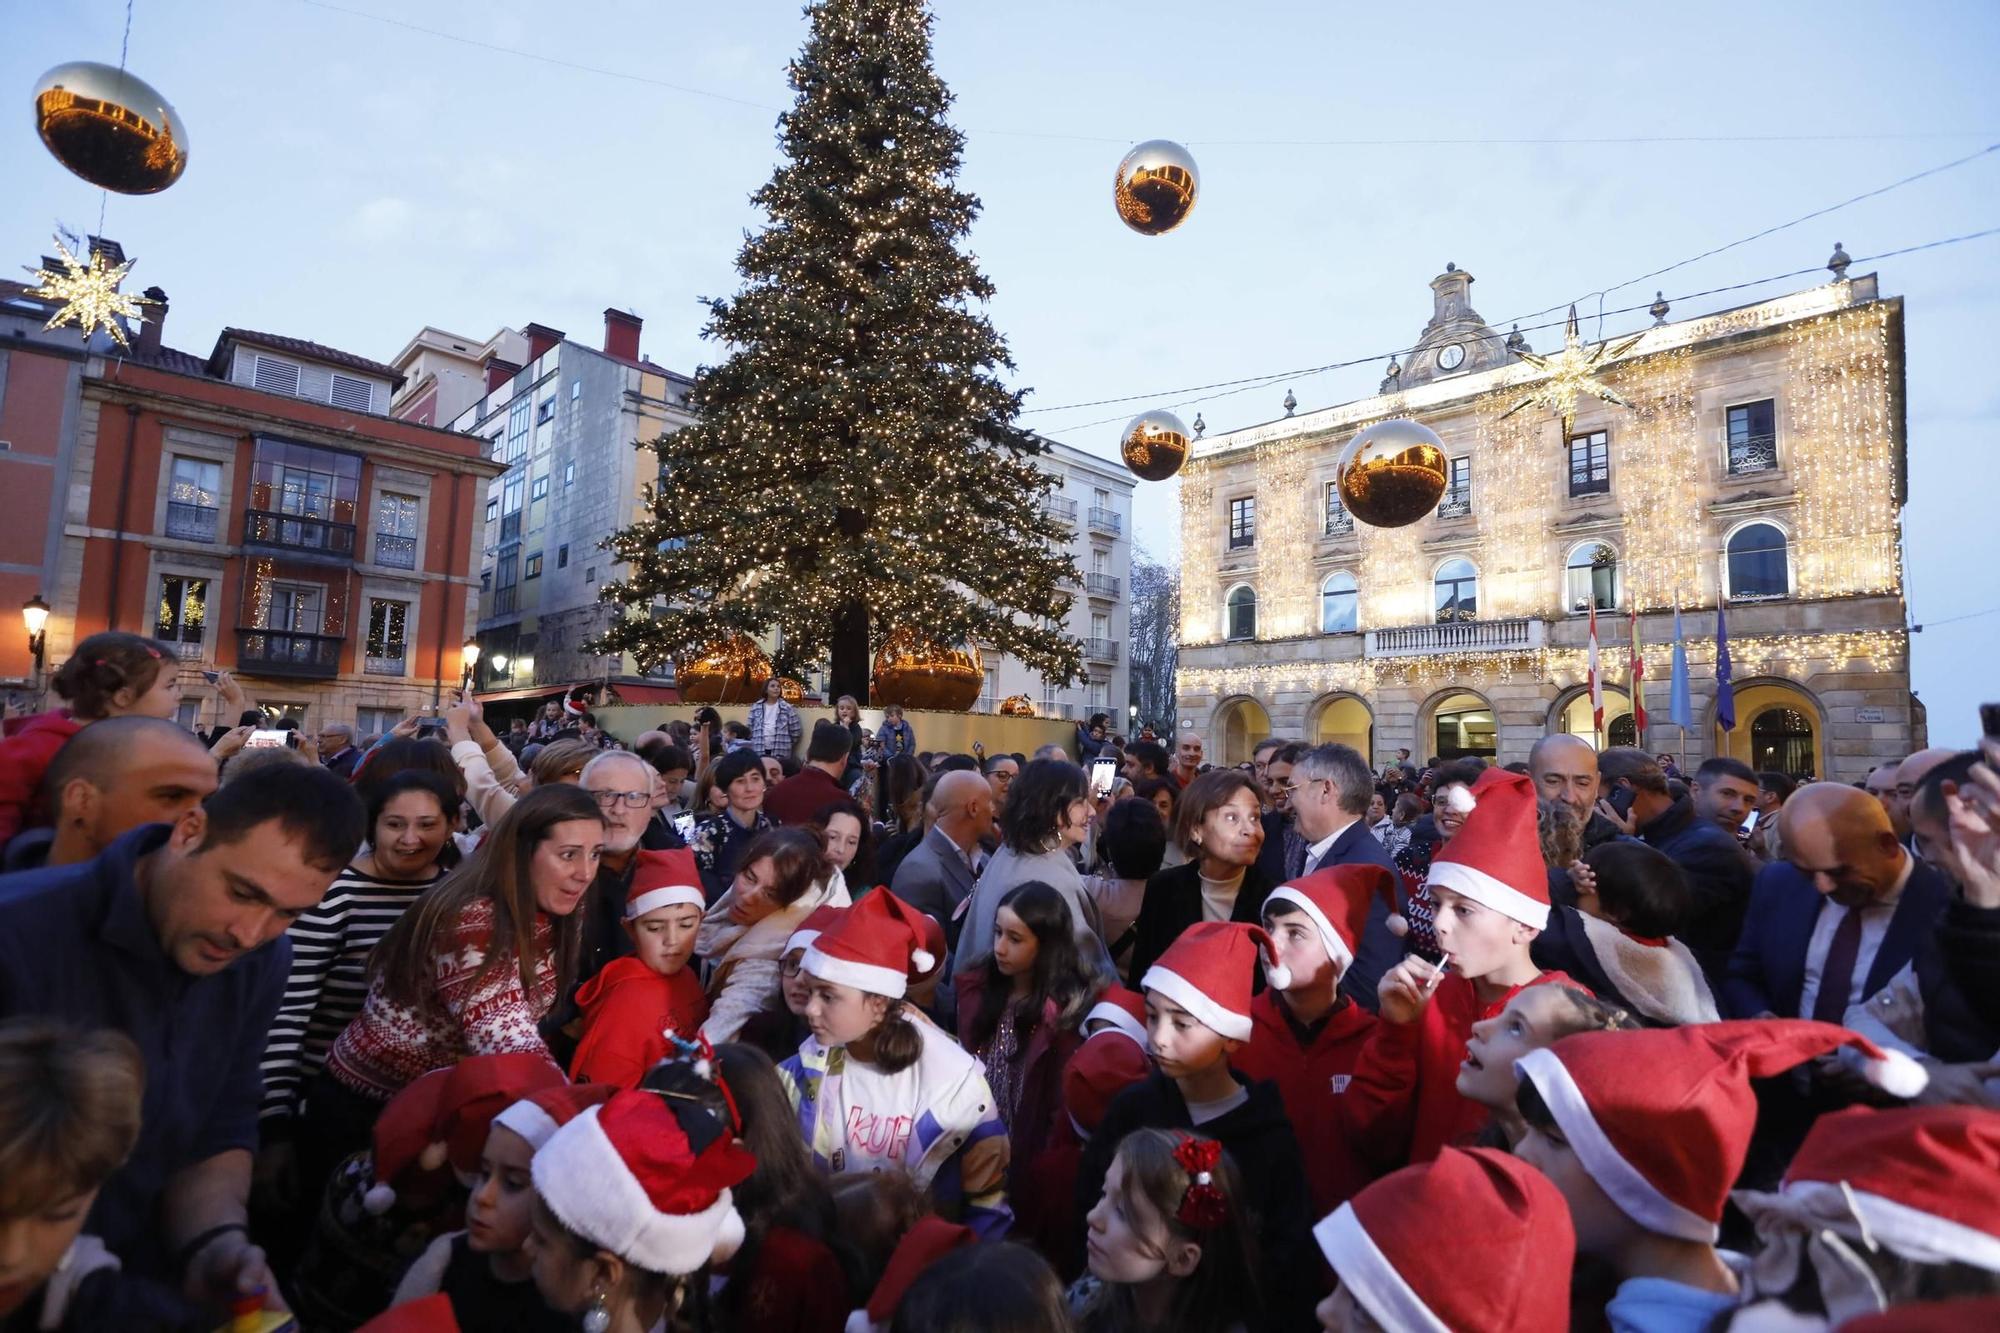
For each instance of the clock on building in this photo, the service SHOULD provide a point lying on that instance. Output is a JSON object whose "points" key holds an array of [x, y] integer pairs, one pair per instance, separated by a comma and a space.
{"points": [[1451, 356]]}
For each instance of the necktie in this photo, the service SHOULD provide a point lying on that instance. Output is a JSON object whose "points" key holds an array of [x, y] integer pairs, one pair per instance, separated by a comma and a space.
{"points": [[1836, 979]]}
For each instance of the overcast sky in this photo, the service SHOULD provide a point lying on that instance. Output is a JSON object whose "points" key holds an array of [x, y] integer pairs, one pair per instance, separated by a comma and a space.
{"points": [[352, 180]]}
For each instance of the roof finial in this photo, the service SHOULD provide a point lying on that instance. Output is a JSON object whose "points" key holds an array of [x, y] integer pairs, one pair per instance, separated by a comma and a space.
{"points": [[1839, 263], [1658, 310]]}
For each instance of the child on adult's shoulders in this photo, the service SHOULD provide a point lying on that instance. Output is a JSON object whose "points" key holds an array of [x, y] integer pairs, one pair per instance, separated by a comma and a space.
{"points": [[630, 1006]]}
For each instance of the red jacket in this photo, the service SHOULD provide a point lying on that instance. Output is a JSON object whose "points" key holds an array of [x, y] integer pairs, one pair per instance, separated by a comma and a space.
{"points": [[797, 1286], [1311, 1079], [627, 1009], [799, 797], [24, 758], [1049, 1050], [1402, 1104]]}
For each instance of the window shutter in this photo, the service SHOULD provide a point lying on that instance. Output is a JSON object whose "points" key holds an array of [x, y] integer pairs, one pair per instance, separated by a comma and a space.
{"points": [[275, 376], [352, 394]]}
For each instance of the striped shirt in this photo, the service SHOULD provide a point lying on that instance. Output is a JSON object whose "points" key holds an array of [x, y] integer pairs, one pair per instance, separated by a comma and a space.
{"points": [[330, 947]]}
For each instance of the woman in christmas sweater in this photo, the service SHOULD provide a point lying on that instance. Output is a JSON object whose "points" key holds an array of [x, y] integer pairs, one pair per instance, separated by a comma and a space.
{"points": [[880, 1089], [782, 879], [472, 970]]}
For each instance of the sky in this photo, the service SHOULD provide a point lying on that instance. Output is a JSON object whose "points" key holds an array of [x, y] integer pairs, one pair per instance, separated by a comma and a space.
{"points": [[352, 179]]}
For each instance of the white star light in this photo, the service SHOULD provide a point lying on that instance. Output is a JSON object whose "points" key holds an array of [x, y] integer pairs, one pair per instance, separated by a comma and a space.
{"points": [[89, 295]]}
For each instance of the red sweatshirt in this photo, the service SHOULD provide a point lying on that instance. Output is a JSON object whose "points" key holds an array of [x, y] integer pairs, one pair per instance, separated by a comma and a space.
{"points": [[627, 1009], [1311, 1078], [796, 1286], [1402, 1104], [24, 757]]}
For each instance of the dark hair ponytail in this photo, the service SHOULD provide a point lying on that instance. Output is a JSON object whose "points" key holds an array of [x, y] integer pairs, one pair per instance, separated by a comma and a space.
{"points": [[106, 663], [897, 1041]]}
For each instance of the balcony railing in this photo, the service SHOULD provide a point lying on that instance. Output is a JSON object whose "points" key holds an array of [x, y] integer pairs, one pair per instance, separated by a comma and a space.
{"points": [[506, 601], [191, 523], [1101, 650], [1101, 585], [1590, 481], [1060, 507], [290, 532], [1339, 523], [1459, 636], [1754, 453], [264, 652], [1456, 504], [384, 664], [1106, 521], [395, 552]]}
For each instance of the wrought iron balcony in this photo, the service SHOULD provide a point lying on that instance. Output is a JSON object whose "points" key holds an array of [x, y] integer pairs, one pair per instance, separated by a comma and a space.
{"points": [[1101, 585], [1106, 521], [1060, 507], [395, 552], [1457, 636], [1101, 650], [1338, 523], [266, 652], [192, 523], [1590, 480], [298, 534], [1456, 504], [384, 664], [1753, 453]]}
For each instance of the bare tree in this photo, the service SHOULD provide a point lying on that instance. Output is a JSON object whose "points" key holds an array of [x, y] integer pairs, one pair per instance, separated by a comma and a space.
{"points": [[1155, 625]]}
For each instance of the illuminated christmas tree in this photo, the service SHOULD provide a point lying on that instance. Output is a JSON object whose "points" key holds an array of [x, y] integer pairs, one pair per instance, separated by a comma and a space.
{"points": [[854, 467]]}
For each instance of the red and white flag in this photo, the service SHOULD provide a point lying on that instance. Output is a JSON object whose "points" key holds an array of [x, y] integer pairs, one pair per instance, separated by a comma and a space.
{"points": [[1596, 681]]}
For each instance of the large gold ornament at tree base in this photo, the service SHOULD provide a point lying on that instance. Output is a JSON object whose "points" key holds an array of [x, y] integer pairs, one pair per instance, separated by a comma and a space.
{"points": [[1017, 705], [791, 691], [1155, 187], [1392, 473], [1154, 445], [732, 672], [917, 674], [110, 127]]}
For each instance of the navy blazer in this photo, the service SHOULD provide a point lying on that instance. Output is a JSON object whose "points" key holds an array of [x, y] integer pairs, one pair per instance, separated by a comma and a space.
{"points": [[1768, 969]]}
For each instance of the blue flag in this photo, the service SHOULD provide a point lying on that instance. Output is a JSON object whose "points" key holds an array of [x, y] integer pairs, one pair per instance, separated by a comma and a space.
{"points": [[1680, 704], [1725, 693]]}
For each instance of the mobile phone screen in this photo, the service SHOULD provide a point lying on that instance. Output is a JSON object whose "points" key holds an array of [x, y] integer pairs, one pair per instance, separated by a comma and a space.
{"points": [[1103, 772], [266, 738]]}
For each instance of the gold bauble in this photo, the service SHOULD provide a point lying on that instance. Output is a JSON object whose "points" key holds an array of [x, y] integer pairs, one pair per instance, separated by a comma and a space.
{"points": [[110, 127], [918, 674], [791, 691], [1017, 705], [1155, 187], [731, 672], [1392, 473], [1154, 445]]}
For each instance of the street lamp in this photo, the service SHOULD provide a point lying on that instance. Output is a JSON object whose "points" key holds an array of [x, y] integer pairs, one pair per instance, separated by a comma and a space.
{"points": [[470, 656], [35, 614]]}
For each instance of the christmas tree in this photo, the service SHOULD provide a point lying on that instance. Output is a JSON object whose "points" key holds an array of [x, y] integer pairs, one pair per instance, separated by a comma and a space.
{"points": [[854, 467]]}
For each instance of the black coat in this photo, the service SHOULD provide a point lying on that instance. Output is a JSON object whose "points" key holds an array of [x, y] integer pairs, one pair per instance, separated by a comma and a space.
{"points": [[1719, 872], [1968, 940], [1173, 903]]}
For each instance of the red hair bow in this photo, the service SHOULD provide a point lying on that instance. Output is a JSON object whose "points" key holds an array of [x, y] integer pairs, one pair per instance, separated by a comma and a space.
{"points": [[1203, 1206]]}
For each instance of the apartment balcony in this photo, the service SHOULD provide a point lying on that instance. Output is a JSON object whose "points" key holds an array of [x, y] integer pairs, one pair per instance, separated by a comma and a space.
{"points": [[1059, 507], [1456, 504], [1457, 636], [193, 523], [1105, 521], [294, 534], [1101, 585], [295, 656], [393, 552], [1754, 453], [1101, 650]]}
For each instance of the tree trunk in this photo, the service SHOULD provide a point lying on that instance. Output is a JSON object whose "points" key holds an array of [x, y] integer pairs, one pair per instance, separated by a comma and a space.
{"points": [[849, 663]]}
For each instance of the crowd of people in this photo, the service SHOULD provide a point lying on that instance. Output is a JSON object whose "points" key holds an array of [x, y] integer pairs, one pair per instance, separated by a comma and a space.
{"points": [[755, 1026]]}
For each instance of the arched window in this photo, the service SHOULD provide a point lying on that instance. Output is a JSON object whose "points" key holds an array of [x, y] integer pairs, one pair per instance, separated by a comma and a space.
{"points": [[1781, 739], [1337, 604], [1757, 564], [1622, 730], [1591, 578], [1457, 584], [1242, 614]]}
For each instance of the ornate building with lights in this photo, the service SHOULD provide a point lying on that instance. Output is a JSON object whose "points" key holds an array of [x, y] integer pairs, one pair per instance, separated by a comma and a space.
{"points": [[1760, 466]]}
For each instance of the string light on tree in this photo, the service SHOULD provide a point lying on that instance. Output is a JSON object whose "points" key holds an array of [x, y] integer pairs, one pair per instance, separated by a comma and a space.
{"points": [[87, 295]]}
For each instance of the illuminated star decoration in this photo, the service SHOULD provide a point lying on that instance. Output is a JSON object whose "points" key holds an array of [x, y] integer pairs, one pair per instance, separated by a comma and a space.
{"points": [[89, 295], [1572, 373]]}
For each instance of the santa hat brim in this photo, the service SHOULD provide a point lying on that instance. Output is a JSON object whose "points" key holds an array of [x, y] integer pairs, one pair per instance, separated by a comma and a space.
{"points": [[670, 895], [1488, 891], [886, 981], [802, 939], [1119, 1017], [1192, 998], [586, 1184], [1913, 1234], [1336, 947], [531, 1122], [1369, 1276]]}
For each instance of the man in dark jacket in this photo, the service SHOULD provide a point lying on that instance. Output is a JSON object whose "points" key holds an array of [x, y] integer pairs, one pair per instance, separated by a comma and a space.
{"points": [[1718, 870], [1330, 790]]}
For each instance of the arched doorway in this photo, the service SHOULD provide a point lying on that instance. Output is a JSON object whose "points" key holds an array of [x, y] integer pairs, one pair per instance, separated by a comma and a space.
{"points": [[1572, 716], [1239, 724], [1461, 725], [1779, 728], [1342, 719]]}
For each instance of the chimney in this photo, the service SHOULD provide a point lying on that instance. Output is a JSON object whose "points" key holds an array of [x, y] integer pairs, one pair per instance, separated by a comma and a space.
{"points": [[156, 318], [621, 335], [540, 339], [498, 371]]}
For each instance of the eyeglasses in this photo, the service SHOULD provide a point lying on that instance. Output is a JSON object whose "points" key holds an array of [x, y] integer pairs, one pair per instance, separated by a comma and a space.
{"points": [[790, 969], [631, 800]]}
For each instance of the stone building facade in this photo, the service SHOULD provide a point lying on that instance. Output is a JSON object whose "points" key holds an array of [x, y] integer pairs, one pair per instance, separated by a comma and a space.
{"points": [[1758, 469]]}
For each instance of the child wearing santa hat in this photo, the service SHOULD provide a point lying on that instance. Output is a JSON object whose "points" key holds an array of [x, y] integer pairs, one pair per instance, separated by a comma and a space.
{"points": [[1644, 1132], [1307, 1037], [1471, 1240], [880, 1090], [631, 1004], [1489, 887], [1198, 1018], [483, 1271], [1044, 1186], [779, 1032]]}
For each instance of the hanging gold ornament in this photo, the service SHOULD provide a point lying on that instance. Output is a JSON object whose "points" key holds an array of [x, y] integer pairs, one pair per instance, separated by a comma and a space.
{"points": [[1572, 373], [1392, 473], [918, 674], [1017, 705], [1154, 445], [1155, 187], [730, 672], [88, 295], [110, 127]]}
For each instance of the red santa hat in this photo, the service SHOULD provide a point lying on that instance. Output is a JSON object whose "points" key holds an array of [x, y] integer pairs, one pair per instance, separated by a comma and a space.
{"points": [[1932, 1317], [1495, 858], [1123, 1009], [426, 1314], [1208, 971], [932, 945], [1104, 1066], [1916, 1181], [573, 701], [626, 1176], [930, 1240], [874, 947], [536, 1119], [1661, 1119], [1404, 1247], [816, 924], [1337, 900], [664, 879], [441, 1119]]}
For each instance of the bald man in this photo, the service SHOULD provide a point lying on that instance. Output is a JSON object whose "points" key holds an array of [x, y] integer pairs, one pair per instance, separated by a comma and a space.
{"points": [[1908, 774], [1842, 912], [110, 778], [1564, 768], [938, 874], [1881, 784]]}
